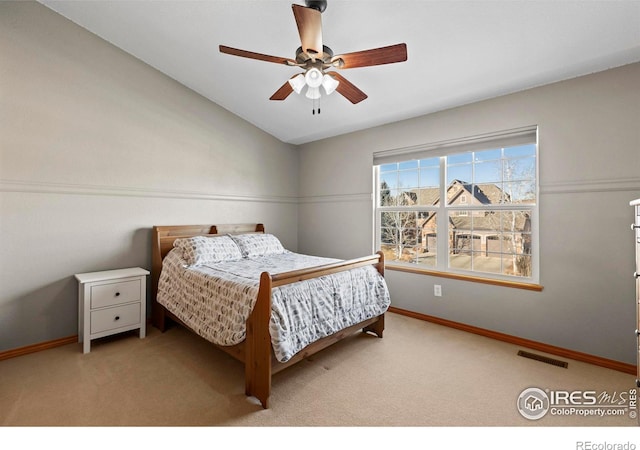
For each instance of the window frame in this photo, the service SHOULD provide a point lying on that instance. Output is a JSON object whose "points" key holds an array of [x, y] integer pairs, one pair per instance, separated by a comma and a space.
{"points": [[441, 150]]}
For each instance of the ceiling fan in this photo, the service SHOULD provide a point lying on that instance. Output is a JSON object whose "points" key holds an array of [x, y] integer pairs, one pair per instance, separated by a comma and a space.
{"points": [[317, 60]]}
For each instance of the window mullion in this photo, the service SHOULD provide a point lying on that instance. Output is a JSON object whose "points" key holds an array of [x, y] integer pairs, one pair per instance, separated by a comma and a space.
{"points": [[442, 243]]}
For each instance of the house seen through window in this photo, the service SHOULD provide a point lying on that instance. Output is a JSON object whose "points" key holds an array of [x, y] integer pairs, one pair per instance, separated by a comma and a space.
{"points": [[467, 207]]}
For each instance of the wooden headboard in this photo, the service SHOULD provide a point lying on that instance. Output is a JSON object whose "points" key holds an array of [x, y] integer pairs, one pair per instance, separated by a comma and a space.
{"points": [[165, 235]]}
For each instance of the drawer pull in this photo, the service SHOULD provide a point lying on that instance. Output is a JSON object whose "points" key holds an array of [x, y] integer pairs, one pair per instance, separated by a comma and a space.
{"points": [[117, 294], [117, 318], [634, 226]]}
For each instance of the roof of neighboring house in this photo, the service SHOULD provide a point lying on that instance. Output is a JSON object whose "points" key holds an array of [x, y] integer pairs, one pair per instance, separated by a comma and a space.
{"points": [[428, 196], [485, 193]]}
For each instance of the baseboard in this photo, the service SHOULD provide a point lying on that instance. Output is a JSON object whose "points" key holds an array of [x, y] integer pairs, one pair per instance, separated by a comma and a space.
{"points": [[37, 347], [42, 346], [534, 345], [546, 348]]}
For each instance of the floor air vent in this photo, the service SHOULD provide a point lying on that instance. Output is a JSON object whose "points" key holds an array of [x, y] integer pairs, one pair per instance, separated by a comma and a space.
{"points": [[545, 359]]}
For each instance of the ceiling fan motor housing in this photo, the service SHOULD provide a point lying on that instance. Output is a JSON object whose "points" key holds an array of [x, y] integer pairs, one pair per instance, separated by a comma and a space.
{"points": [[320, 5], [302, 57]]}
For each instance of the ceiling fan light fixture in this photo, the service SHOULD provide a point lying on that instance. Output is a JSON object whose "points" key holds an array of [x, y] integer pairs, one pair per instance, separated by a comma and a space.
{"points": [[297, 83], [313, 93], [313, 77], [329, 83]]}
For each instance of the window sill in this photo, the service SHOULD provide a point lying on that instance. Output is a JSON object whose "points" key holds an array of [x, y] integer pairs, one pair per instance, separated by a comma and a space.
{"points": [[471, 278]]}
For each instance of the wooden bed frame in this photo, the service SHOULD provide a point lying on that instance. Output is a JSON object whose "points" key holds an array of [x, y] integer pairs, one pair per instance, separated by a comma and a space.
{"points": [[256, 351]]}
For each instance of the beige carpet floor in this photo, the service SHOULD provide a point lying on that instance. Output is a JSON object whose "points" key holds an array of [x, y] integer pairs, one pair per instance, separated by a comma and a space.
{"points": [[419, 375]]}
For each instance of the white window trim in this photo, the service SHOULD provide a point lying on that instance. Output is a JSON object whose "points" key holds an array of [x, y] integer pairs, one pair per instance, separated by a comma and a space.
{"points": [[445, 148]]}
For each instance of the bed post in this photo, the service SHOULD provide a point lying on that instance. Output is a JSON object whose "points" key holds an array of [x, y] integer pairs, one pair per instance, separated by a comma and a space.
{"points": [[377, 327], [157, 310], [258, 345], [380, 265]]}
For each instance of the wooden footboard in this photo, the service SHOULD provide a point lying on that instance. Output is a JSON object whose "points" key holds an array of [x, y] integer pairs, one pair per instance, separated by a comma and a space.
{"points": [[256, 352], [260, 364]]}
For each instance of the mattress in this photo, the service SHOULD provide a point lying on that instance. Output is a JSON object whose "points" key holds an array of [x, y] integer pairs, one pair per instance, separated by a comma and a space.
{"points": [[215, 299]]}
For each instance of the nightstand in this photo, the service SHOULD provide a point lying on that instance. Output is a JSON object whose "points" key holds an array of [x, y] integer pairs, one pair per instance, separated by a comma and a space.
{"points": [[110, 302]]}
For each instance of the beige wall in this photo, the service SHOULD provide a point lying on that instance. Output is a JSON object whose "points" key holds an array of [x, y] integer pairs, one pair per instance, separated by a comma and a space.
{"points": [[589, 157], [95, 148]]}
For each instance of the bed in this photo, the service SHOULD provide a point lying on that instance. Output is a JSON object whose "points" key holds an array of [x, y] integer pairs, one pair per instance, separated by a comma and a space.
{"points": [[250, 323]]}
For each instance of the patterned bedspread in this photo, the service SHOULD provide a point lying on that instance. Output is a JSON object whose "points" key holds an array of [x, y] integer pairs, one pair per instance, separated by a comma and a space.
{"points": [[215, 300]]}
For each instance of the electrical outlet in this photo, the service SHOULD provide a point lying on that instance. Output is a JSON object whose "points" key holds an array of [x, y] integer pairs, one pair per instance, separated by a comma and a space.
{"points": [[437, 290]]}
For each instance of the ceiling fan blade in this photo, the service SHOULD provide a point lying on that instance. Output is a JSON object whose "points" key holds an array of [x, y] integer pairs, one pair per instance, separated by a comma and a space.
{"points": [[283, 92], [254, 55], [374, 57], [347, 89], [309, 23]]}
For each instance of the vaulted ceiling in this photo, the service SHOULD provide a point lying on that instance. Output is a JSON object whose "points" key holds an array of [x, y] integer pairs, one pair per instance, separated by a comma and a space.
{"points": [[458, 52]]}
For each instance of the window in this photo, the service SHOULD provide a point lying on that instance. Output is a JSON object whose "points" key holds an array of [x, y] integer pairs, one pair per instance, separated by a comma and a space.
{"points": [[468, 206]]}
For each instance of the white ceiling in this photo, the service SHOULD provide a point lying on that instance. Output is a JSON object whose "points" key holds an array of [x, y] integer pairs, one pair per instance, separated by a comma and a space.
{"points": [[458, 51]]}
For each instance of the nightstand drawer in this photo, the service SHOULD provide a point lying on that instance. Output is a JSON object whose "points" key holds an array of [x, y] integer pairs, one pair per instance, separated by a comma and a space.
{"points": [[115, 293], [116, 317]]}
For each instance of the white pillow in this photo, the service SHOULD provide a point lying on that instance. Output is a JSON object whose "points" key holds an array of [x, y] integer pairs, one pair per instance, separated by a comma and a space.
{"points": [[258, 244], [199, 250]]}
